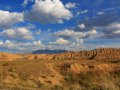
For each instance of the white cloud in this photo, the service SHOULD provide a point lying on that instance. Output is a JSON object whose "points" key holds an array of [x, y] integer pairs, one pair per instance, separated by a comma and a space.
{"points": [[19, 33], [114, 26], [72, 33], [38, 32], [48, 11], [111, 31], [81, 12], [19, 46], [76, 45], [100, 13], [1, 43], [8, 19], [25, 2], [91, 33], [7, 44], [68, 33], [81, 26], [38, 45], [73, 45], [80, 41], [76, 39], [60, 41], [70, 5], [117, 32]]}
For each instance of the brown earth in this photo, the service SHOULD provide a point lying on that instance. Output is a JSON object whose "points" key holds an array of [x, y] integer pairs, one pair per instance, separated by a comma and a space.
{"points": [[85, 70], [9, 56], [59, 75], [97, 54]]}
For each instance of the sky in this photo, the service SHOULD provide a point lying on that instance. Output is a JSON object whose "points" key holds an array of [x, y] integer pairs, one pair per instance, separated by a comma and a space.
{"points": [[73, 25]]}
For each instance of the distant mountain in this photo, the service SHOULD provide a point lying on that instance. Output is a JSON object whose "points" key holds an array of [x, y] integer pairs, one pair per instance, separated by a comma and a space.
{"points": [[47, 51]]}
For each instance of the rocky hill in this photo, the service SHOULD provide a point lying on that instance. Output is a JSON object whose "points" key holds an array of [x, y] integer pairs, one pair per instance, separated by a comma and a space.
{"points": [[97, 54], [47, 51]]}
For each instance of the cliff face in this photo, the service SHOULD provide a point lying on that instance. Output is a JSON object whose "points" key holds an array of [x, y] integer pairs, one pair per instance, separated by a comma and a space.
{"points": [[97, 54]]}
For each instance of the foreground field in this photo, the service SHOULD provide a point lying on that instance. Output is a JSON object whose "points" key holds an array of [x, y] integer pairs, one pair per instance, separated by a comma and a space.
{"points": [[60, 75]]}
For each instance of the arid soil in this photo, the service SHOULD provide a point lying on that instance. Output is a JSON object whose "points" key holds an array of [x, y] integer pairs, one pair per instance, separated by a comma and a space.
{"points": [[85, 70]]}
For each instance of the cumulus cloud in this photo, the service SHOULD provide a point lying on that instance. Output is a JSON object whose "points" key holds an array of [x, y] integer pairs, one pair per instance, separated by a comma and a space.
{"points": [[111, 31], [76, 45], [8, 19], [60, 41], [38, 32], [38, 45], [19, 46], [81, 26], [72, 33], [73, 46], [19, 33], [48, 11], [25, 2], [90, 33], [100, 13], [117, 32], [75, 38], [70, 5], [69, 45]]}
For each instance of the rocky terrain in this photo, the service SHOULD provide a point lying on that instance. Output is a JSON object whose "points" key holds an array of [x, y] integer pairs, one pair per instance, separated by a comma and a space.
{"points": [[97, 54], [97, 69]]}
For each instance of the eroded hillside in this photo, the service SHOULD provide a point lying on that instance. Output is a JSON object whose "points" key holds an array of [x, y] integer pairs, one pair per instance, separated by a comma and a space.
{"points": [[85, 70], [97, 54]]}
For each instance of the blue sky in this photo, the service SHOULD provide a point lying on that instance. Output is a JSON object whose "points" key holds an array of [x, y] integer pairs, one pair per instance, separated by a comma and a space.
{"points": [[28, 25]]}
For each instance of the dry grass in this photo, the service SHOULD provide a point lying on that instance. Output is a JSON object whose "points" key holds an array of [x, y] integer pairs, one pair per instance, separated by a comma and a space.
{"points": [[58, 75]]}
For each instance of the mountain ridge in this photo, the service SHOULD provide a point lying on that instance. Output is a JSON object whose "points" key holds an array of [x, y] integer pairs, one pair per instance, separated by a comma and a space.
{"points": [[47, 51]]}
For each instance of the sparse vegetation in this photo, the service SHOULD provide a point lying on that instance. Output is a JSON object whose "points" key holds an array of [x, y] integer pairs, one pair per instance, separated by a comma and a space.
{"points": [[61, 74], [93, 81], [37, 75]]}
